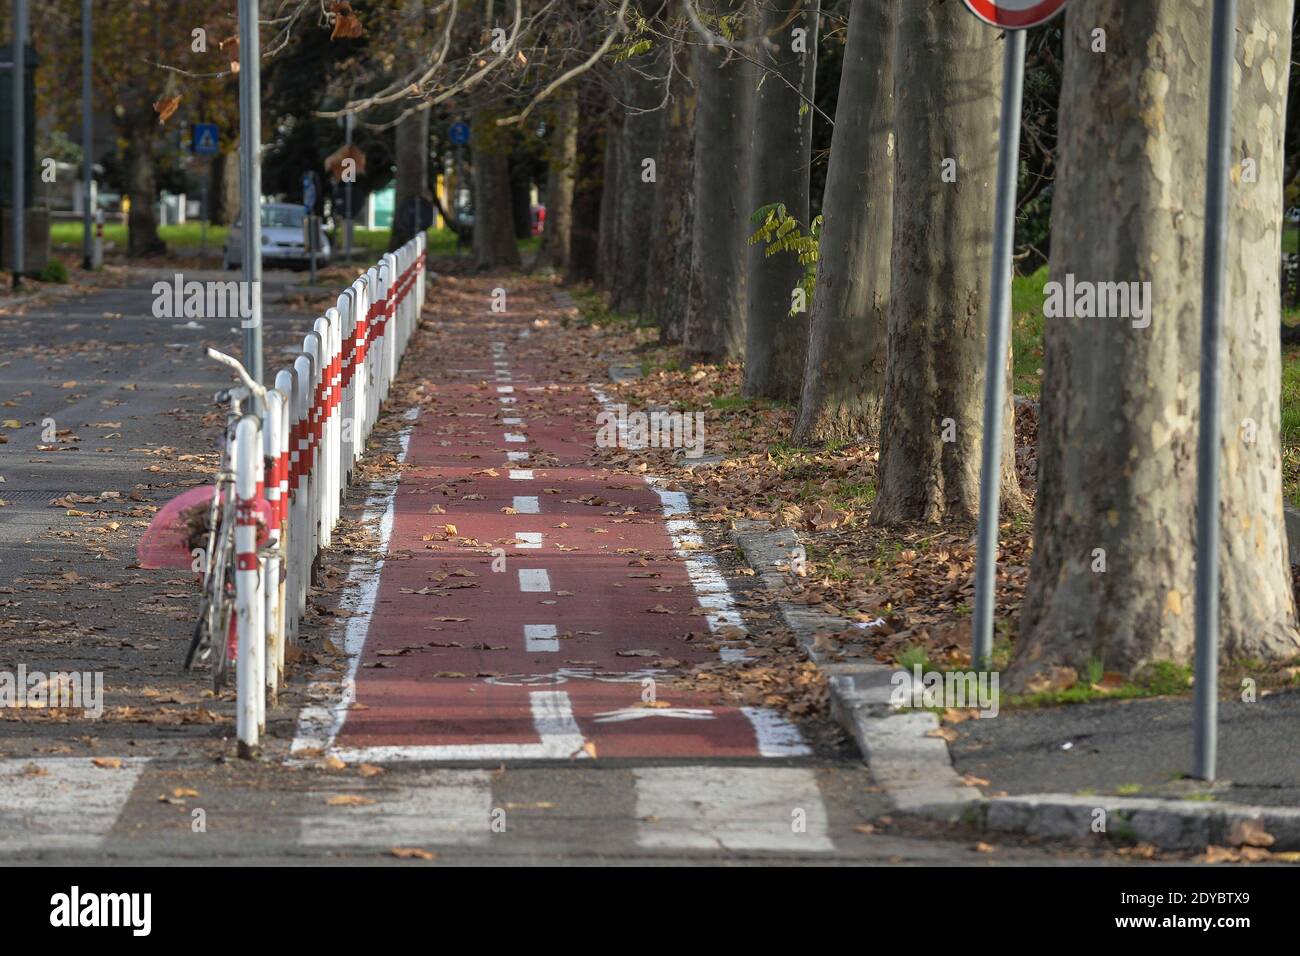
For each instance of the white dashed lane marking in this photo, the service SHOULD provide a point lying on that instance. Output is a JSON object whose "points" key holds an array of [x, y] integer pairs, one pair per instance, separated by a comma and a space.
{"points": [[521, 474], [528, 539], [534, 580], [540, 637], [527, 505]]}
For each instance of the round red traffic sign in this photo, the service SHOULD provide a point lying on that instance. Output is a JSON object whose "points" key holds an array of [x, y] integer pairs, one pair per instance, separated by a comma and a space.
{"points": [[1015, 14]]}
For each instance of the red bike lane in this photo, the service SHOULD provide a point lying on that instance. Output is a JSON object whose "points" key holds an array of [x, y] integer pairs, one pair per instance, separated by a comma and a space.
{"points": [[531, 604]]}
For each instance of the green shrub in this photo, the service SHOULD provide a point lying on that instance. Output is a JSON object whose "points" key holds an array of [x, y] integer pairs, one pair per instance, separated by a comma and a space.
{"points": [[54, 271]]}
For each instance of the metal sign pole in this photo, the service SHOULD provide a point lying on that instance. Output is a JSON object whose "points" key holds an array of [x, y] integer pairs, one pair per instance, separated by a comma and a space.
{"points": [[1013, 77], [250, 180], [19, 146], [347, 196], [1213, 293], [87, 140]]}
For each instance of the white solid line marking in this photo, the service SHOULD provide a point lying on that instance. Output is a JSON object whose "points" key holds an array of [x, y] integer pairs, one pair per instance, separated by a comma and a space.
{"points": [[319, 723], [534, 580], [62, 802], [552, 718], [736, 808], [517, 455], [505, 389], [527, 505], [776, 736], [434, 807], [515, 437], [528, 539], [521, 474], [540, 637]]}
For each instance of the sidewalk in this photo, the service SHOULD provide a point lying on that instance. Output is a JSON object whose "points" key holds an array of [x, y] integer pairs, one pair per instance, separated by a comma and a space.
{"points": [[1137, 748]]}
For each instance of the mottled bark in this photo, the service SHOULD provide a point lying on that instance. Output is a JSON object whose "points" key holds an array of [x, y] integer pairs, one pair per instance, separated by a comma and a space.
{"points": [[223, 191], [584, 243], [561, 173], [948, 93], [494, 231], [776, 341], [844, 376], [640, 142], [1112, 576], [412, 176], [715, 318], [610, 197], [142, 221], [411, 140], [668, 265]]}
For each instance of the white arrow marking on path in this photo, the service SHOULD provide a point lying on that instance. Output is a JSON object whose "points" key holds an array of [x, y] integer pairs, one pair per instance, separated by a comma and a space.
{"points": [[637, 713]]}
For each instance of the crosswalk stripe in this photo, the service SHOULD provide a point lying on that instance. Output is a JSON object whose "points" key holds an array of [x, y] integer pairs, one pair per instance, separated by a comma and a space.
{"points": [[62, 802], [435, 807], [733, 808]]}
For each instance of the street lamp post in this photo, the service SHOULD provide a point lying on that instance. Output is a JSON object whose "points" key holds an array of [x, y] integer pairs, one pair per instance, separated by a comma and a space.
{"points": [[19, 129], [87, 142], [250, 180]]}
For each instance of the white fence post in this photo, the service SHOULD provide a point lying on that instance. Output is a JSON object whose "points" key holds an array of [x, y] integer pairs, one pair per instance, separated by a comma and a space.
{"points": [[271, 441], [248, 596]]}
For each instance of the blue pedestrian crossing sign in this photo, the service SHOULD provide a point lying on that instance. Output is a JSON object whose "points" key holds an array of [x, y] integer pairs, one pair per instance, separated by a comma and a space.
{"points": [[206, 139], [458, 133]]}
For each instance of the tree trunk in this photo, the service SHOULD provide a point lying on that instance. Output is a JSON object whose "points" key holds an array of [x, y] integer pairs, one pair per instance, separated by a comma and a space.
{"points": [[610, 197], [521, 197], [640, 141], [584, 243], [948, 94], [561, 173], [224, 188], [776, 342], [412, 179], [669, 258], [715, 319], [844, 376], [1112, 574], [142, 222], [494, 230]]}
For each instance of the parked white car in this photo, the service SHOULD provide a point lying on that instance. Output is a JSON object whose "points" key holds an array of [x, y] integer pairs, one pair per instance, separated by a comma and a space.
{"points": [[282, 239]]}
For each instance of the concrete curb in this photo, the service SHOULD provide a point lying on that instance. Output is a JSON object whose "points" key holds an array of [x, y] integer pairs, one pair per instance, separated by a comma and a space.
{"points": [[1169, 824], [907, 761]]}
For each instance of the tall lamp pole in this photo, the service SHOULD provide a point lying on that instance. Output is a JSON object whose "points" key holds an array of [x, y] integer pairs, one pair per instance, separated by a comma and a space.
{"points": [[19, 145], [87, 142], [250, 179]]}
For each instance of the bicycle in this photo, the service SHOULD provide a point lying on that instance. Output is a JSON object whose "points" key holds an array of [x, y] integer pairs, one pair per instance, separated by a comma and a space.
{"points": [[215, 628]]}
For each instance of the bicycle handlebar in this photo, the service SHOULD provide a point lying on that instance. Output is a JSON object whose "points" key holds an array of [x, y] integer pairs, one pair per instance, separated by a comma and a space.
{"points": [[235, 364]]}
